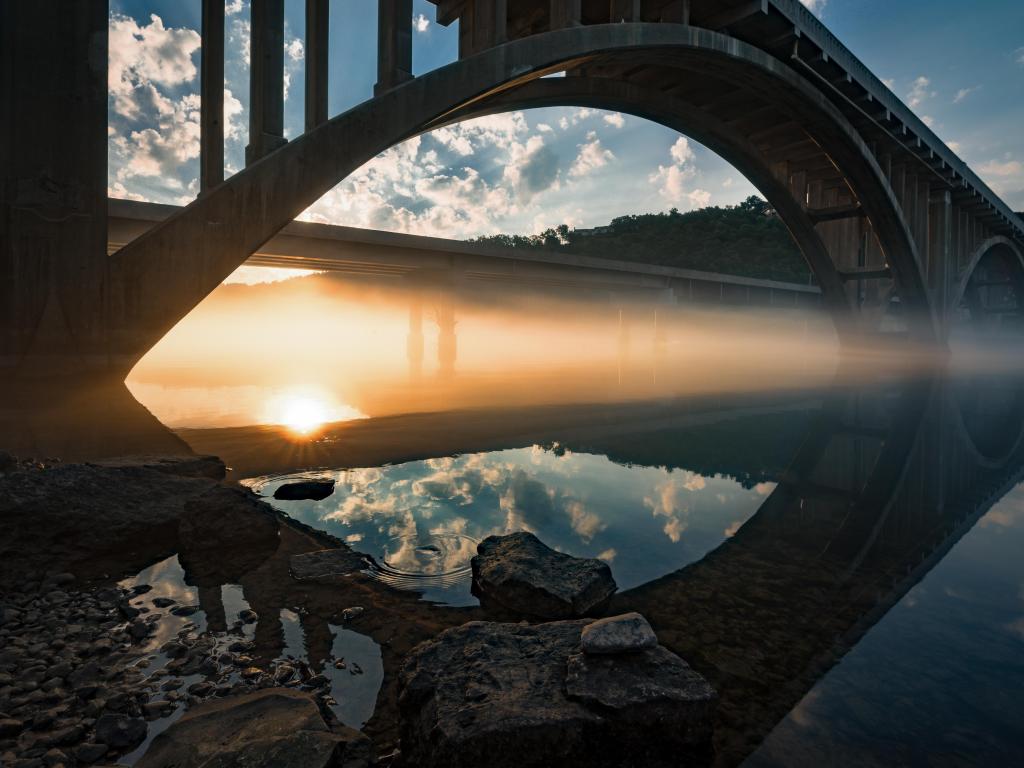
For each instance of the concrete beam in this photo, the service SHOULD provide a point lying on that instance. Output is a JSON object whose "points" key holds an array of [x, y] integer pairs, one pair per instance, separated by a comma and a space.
{"points": [[211, 116], [394, 44], [317, 49], [266, 80]]}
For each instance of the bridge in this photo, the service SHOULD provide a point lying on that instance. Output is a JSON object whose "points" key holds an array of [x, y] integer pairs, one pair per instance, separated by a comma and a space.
{"points": [[878, 205], [438, 261]]}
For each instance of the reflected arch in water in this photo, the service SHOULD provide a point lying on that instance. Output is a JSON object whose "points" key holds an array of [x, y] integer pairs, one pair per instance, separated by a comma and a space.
{"points": [[211, 237], [989, 415], [992, 287]]}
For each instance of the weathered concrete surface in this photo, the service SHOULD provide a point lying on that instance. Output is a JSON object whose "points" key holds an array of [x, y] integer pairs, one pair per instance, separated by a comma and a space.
{"points": [[520, 573], [273, 728], [53, 185], [511, 695]]}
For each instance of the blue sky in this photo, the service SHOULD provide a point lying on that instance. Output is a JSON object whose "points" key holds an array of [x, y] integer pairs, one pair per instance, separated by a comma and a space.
{"points": [[959, 67]]}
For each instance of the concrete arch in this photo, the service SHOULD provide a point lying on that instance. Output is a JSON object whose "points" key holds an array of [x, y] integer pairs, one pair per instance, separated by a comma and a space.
{"points": [[160, 277], [998, 244]]}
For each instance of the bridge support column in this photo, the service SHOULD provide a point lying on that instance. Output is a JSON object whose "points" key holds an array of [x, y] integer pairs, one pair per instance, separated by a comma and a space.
{"points": [[53, 186], [394, 44], [447, 342], [414, 339], [211, 116], [677, 12], [266, 80], [317, 20], [566, 13], [941, 256]]}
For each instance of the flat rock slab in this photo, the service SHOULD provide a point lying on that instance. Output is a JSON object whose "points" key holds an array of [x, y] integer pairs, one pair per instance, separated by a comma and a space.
{"points": [[498, 694], [305, 490], [626, 633], [520, 573], [326, 563], [273, 728]]}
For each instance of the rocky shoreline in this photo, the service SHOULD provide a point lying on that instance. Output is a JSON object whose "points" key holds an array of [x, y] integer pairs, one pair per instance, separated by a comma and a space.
{"points": [[96, 669]]}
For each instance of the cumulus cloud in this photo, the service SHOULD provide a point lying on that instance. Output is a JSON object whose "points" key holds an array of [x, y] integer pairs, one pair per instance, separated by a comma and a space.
{"points": [[1019, 54], [295, 50], [615, 119], [672, 180], [234, 6], [815, 6], [1002, 168], [591, 156], [928, 120], [143, 57], [920, 89], [420, 23], [963, 93]]}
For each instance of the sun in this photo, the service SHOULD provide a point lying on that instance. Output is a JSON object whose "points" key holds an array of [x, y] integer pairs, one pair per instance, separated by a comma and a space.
{"points": [[305, 410], [302, 413]]}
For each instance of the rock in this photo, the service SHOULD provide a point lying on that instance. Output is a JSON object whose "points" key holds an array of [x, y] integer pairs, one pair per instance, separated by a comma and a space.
{"points": [[10, 727], [90, 753], [522, 574], [350, 613], [138, 629], [209, 467], [274, 727], [163, 602], [185, 610], [8, 462], [248, 616], [521, 696], [618, 634], [201, 689], [325, 563], [120, 732], [311, 490]]}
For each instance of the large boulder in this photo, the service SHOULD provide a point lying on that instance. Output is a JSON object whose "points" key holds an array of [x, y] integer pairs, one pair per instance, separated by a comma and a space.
{"points": [[273, 728], [521, 574], [305, 490], [521, 696]]}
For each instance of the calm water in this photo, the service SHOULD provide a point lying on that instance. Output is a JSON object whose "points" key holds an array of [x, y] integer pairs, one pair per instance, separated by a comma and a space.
{"points": [[842, 562]]}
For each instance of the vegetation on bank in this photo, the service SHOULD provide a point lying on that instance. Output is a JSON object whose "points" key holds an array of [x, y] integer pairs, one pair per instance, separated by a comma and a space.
{"points": [[748, 239]]}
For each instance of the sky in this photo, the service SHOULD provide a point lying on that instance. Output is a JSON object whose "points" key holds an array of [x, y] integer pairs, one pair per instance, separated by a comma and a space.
{"points": [[959, 67]]}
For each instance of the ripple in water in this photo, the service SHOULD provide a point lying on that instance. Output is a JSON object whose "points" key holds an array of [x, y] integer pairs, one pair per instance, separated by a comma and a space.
{"points": [[426, 561]]}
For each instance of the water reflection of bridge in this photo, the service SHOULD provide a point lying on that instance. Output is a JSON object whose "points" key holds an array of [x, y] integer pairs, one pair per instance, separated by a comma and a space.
{"points": [[883, 487], [884, 483]]}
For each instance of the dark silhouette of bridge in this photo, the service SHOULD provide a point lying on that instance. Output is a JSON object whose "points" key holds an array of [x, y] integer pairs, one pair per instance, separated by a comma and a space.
{"points": [[879, 206]]}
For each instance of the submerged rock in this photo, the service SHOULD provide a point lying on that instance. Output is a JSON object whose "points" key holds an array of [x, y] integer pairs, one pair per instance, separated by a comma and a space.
{"points": [[311, 490], [276, 727], [120, 732], [519, 696], [324, 563], [522, 574], [625, 633]]}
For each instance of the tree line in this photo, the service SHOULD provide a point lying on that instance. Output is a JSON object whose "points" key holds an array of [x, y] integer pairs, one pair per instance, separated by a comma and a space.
{"points": [[748, 239]]}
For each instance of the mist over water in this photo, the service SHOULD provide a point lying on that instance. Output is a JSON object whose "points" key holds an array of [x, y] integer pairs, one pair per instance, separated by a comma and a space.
{"points": [[328, 348]]}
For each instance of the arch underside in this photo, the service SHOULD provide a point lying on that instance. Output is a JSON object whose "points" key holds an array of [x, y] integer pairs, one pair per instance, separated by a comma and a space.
{"points": [[754, 111]]}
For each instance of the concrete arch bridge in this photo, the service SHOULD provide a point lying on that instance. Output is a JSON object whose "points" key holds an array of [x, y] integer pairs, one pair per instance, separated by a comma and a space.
{"points": [[882, 210]]}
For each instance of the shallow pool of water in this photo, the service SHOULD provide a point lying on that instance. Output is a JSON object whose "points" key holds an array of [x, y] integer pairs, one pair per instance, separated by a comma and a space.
{"points": [[422, 520]]}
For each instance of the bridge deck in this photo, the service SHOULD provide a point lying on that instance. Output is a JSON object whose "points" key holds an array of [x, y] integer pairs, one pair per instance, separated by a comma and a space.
{"points": [[308, 245]]}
